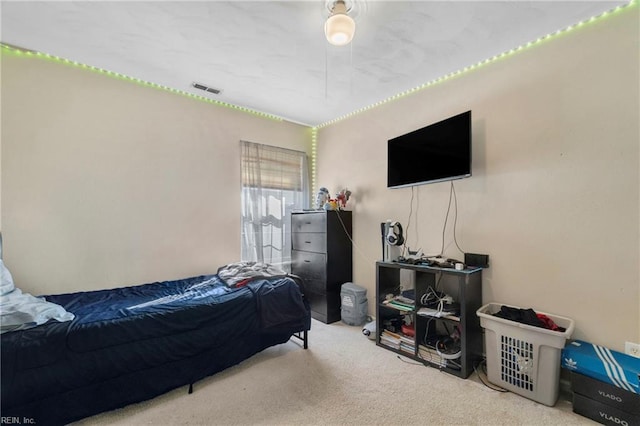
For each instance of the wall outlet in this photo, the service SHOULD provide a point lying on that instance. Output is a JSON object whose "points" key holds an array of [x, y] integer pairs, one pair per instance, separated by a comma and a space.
{"points": [[632, 349]]}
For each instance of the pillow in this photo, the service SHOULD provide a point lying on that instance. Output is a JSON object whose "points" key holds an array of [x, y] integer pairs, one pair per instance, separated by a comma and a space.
{"points": [[20, 311], [7, 285]]}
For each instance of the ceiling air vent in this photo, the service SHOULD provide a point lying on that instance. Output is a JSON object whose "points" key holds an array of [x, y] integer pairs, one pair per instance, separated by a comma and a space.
{"points": [[206, 88]]}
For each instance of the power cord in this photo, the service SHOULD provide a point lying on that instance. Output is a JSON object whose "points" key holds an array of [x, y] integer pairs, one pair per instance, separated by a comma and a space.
{"points": [[432, 299], [454, 197], [483, 362], [351, 239], [455, 364], [455, 221], [410, 362], [406, 240], [446, 219]]}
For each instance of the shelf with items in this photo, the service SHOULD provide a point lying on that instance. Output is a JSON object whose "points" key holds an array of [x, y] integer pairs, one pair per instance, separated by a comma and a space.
{"points": [[439, 342], [444, 330], [397, 331]]}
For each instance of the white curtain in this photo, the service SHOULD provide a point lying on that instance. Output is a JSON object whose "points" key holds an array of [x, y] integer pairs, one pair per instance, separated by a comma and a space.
{"points": [[275, 181]]}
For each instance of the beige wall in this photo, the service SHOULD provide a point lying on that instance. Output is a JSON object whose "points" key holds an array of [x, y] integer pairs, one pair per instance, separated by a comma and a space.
{"points": [[107, 183], [554, 195]]}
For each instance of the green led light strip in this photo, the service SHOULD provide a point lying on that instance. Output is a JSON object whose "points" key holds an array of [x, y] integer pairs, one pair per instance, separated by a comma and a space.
{"points": [[314, 130], [18, 51], [314, 145], [481, 63]]}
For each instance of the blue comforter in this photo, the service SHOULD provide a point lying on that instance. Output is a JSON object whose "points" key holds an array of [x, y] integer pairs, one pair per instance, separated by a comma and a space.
{"points": [[122, 315], [160, 335]]}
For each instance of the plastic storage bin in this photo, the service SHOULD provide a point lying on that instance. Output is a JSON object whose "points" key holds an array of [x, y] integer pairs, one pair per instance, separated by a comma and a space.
{"points": [[353, 306], [522, 358]]}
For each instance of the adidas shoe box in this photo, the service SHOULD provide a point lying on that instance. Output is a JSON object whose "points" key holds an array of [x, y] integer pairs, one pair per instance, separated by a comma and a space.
{"points": [[353, 304], [605, 383]]}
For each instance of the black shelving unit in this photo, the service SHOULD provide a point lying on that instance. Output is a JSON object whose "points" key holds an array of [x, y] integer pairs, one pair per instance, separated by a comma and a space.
{"points": [[465, 286]]}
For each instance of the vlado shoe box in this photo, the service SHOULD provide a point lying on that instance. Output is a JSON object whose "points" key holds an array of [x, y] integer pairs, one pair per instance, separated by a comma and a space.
{"points": [[603, 413], [605, 383]]}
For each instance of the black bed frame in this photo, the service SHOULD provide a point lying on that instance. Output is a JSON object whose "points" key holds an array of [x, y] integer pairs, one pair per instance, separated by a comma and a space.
{"points": [[131, 388], [304, 337]]}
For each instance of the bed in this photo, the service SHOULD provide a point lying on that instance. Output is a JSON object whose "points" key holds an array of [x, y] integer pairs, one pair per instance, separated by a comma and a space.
{"points": [[131, 344]]}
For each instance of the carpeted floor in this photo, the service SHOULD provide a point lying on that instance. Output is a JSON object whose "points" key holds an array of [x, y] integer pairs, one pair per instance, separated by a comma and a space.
{"points": [[342, 379]]}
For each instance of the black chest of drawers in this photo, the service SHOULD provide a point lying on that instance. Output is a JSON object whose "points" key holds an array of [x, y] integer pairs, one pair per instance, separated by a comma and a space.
{"points": [[321, 255]]}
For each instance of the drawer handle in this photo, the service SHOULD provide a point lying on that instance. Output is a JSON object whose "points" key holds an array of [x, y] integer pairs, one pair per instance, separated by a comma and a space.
{"points": [[307, 261], [308, 223], [307, 242]]}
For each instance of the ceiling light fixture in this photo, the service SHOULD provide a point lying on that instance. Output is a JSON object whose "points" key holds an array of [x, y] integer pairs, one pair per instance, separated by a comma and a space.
{"points": [[531, 44], [339, 27]]}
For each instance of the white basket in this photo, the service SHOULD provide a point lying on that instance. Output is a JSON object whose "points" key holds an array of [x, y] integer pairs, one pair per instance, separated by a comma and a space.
{"points": [[522, 358]]}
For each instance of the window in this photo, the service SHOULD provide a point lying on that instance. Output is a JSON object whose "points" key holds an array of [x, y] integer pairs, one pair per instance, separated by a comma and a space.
{"points": [[275, 181]]}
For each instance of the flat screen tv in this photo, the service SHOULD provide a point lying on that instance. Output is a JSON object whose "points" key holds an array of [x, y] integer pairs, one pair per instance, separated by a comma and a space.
{"points": [[435, 153]]}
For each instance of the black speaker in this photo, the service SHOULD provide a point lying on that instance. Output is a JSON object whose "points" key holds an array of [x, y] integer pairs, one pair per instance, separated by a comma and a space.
{"points": [[479, 260]]}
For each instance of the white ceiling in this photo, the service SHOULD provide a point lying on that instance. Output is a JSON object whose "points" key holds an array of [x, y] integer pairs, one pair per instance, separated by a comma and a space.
{"points": [[272, 56]]}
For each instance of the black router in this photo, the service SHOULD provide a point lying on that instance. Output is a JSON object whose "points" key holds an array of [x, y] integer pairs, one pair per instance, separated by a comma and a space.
{"points": [[479, 260]]}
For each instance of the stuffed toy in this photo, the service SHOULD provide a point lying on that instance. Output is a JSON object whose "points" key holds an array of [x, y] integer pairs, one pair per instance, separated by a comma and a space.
{"points": [[343, 197], [322, 198]]}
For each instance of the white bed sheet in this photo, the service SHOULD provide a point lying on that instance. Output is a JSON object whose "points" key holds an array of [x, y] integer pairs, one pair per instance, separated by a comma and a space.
{"points": [[20, 311]]}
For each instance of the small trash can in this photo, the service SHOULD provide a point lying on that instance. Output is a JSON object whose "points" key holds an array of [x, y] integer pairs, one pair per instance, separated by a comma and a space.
{"points": [[353, 304], [523, 358]]}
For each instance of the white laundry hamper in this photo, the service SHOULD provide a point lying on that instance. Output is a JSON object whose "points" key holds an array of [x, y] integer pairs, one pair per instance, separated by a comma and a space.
{"points": [[523, 358]]}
